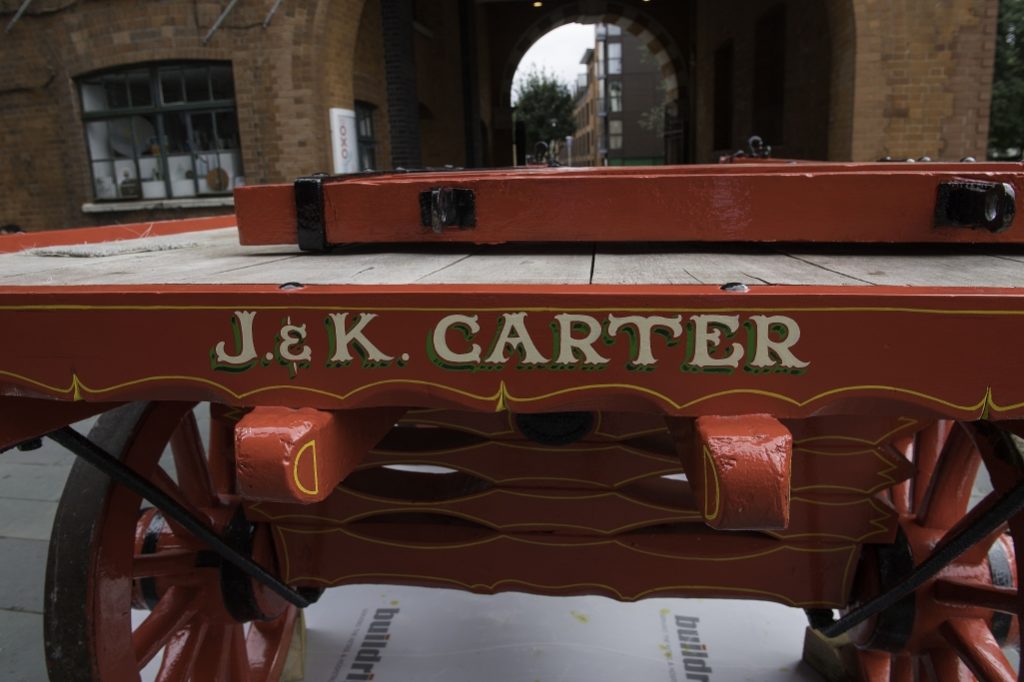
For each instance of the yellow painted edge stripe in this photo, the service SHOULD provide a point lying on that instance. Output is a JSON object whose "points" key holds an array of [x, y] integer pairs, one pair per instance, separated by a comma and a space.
{"points": [[502, 398], [311, 445]]}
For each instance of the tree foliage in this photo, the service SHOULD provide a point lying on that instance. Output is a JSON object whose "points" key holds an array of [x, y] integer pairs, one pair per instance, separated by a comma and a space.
{"points": [[1006, 129], [544, 105]]}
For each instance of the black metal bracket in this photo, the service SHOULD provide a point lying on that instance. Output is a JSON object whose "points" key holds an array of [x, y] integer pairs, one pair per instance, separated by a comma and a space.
{"points": [[442, 207], [975, 203], [118, 472], [309, 212]]}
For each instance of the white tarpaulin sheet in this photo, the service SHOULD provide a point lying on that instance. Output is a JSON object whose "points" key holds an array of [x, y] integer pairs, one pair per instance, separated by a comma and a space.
{"points": [[404, 633]]}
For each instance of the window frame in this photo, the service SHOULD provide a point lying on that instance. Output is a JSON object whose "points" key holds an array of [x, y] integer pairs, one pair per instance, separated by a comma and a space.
{"points": [[154, 112], [366, 145], [614, 60], [615, 96], [615, 134]]}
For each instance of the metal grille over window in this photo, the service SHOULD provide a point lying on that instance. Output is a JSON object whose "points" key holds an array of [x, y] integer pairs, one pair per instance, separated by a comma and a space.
{"points": [[162, 131], [364, 132]]}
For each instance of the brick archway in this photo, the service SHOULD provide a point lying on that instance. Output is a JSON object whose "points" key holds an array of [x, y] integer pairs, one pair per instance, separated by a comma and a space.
{"points": [[646, 28]]}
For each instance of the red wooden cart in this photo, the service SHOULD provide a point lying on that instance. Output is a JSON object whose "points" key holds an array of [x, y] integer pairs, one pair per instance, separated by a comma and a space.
{"points": [[762, 381]]}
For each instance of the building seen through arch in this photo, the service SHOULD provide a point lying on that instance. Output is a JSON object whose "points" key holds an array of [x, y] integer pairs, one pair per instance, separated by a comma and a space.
{"points": [[620, 105], [158, 110]]}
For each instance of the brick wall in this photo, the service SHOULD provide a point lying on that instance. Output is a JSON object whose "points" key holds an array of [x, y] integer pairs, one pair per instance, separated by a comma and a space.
{"points": [[924, 78], [864, 78], [283, 81], [370, 80]]}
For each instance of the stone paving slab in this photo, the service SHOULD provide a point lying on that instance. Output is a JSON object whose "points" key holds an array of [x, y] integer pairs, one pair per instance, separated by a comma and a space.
{"points": [[26, 519], [50, 454], [33, 481], [21, 647], [22, 574]]}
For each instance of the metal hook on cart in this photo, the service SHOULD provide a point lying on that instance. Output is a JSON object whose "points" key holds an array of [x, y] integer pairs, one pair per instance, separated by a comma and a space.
{"points": [[758, 148]]}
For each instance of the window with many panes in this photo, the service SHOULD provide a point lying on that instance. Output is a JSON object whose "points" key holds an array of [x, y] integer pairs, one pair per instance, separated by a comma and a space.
{"points": [[614, 58], [160, 131], [364, 133], [614, 96], [614, 134]]}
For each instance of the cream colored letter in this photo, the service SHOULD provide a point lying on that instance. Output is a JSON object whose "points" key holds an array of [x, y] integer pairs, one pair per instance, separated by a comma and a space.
{"points": [[707, 333], [567, 343], [247, 351], [645, 326], [441, 346], [343, 338], [514, 335], [765, 347]]}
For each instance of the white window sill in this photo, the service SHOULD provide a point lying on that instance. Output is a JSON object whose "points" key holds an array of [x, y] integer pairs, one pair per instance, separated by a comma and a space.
{"points": [[155, 204]]}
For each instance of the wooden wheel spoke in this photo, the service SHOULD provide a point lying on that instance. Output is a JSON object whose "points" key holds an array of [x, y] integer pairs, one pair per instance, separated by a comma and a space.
{"points": [[980, 549], [974, 644], [927, 448], [182, 652], [963, 593], [902, 493], [873, 665], [214, 661], [163, 480], [190, 463], [944, 665], [168, 562], [951, 483], [240, 669], [904, 669], [267, 645], [172, 612]]}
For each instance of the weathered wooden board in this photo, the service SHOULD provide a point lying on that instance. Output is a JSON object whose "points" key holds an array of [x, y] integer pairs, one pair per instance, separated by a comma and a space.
{"points": [[215, 257]]}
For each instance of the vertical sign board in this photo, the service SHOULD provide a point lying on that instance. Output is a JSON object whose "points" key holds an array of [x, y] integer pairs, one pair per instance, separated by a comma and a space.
{"points": [[343, 141]]}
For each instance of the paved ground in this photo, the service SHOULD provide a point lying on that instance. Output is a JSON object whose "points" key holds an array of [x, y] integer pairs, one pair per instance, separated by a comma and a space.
{"points": [[30, 485]]}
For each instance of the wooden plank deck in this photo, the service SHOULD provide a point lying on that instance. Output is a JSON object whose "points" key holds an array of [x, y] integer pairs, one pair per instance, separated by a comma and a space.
{"points": [[215, 257]]}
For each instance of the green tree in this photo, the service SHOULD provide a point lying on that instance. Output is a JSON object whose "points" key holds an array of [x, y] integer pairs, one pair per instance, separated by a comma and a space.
{"points": [[544, 105], [1006, 128]]}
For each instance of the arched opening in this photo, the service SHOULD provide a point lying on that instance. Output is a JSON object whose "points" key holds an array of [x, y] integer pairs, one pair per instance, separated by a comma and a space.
{"points": [[629, 104], [790, 71], [780, 69]]}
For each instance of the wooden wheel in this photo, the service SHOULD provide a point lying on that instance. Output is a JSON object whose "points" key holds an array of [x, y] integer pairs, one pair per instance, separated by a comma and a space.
{"points": [[110, 555], [954, 626]]}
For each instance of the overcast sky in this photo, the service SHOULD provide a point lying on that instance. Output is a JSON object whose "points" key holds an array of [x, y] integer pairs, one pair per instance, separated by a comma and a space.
{"points": [[559, 52]]}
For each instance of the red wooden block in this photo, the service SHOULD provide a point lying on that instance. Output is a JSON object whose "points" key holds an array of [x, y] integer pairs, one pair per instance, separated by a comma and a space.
{"points": [[288, 455], [739, 468]]}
